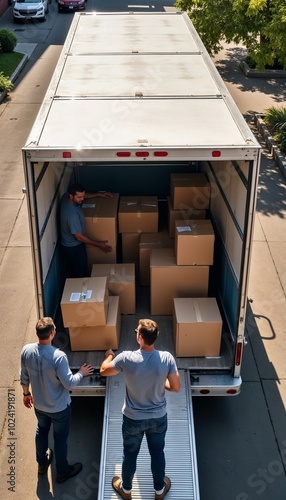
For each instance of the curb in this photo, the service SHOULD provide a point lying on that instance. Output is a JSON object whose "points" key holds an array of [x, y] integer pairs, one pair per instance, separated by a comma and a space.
{"points": [[277, 155], [14, 75], [266, 73]]}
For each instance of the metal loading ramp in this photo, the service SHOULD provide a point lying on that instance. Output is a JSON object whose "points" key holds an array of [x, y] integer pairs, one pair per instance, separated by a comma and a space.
{"points": [[180, 449]]}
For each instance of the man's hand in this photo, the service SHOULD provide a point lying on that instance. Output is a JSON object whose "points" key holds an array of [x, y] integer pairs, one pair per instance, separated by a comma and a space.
{"points": [[104, 246], [109, 352], [86, 369], [104, 194], [28, 401]]}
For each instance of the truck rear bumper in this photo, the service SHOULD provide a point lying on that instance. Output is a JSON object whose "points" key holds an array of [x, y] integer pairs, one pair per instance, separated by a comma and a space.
{"points": [[215, 385]]}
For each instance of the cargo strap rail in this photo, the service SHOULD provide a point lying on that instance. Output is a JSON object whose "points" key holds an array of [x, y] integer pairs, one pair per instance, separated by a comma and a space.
{"points": [[180, 449]]}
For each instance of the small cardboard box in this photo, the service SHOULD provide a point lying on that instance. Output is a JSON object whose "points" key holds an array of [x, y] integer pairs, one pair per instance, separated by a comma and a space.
{"points": [[169, 281], [190, 191], [120, 282], [99, 338], [194, 242], [101, 224], [187, 214], [148, 241], [130, 246], [138, 214], [197, 327], [85, 302]]}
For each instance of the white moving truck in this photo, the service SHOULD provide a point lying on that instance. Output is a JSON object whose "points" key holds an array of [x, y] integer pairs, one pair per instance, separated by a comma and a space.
{"points": [[135, 98]]}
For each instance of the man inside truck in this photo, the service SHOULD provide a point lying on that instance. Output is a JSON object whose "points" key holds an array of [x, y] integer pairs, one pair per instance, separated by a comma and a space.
{"points": [[148, 373], [73, 230]]}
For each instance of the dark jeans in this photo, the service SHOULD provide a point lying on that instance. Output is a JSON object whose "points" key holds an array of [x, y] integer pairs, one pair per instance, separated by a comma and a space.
{"points": [[133, 432], [76, 260], [61, 425]]}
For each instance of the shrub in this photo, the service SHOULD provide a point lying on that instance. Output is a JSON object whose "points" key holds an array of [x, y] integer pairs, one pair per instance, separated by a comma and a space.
{"points": [[5, 83], [8, 40], [275, 118]]}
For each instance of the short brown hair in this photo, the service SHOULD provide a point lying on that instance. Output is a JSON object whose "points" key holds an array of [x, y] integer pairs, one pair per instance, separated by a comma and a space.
{"points": [[148, 329], [44, 328]]}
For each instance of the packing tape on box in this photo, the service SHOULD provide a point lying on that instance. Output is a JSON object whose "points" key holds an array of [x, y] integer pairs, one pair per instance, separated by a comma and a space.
{"points": [[197, 311]]}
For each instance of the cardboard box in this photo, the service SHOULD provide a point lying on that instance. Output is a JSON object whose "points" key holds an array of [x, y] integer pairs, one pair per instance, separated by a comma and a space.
{"points": [[85, 302], [120, 282], [197, 327], [187, 214], [169, 281], [148, 241], [99, 338], [194, 242], [130, 246], [190, 191], [101, 224], [138, 214]]}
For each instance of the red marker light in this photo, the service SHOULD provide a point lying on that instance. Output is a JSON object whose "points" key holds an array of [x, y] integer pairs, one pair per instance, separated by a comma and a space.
{"points": [[231, 391], [66, 154], [204, 391], [142, 153], [123, 153], [160, 153], [216, 154], [238, 354]]}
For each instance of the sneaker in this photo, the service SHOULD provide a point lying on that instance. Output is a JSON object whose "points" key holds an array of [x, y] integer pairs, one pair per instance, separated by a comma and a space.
{"points": [[42, 469], [117, 485], [74, 470], [167, 481]]}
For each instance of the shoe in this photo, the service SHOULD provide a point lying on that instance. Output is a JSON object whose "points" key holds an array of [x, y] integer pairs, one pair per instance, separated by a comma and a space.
{"points": [[74, 470], [42, 469], [167, 481], [117, 485]]}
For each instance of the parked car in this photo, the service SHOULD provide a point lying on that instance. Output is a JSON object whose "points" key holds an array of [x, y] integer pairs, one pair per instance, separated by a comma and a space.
{"points": [[30, 9], [71, 5]]}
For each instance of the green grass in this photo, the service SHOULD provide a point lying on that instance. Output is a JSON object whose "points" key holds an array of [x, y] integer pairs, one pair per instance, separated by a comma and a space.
{"points": [[9, 62]]}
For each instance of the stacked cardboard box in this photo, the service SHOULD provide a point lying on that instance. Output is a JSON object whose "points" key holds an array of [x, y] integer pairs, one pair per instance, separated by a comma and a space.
{"points": [[87, 310], [101, 224], [194, 242], [168, 280], [136, 215], [197, 327], [120, 282], [149, 241], [181, 214], [190, 191]]}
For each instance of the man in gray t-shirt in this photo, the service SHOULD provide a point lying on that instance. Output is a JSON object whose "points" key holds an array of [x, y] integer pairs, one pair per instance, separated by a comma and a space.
{"points": [[46, 370], [148, 373], [73, 230]]}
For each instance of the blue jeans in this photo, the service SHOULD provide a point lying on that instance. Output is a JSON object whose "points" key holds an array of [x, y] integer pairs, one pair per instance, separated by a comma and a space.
{"points": [[133, 431], [61, 425]]}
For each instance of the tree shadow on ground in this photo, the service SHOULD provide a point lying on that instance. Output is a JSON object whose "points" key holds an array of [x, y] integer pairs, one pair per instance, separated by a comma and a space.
{"points": [[227, 63]]}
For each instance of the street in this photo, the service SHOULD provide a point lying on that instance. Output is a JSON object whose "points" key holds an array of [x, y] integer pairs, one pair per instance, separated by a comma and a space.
{"points": [[241, 441]]}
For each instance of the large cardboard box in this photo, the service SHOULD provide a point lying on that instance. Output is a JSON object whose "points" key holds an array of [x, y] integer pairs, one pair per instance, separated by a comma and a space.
{"points": [[130, 246], [194, 242], [99, 338], [120, 282], [169, 281], [148, 241], [197, 327], [138, 214], [101, 224], [85, 302], [190, 191], [183, 214]]}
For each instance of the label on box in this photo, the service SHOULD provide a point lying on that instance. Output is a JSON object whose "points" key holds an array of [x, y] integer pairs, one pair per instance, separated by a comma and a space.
{"points": [[181, 229], [76, 296], [88, 205]]}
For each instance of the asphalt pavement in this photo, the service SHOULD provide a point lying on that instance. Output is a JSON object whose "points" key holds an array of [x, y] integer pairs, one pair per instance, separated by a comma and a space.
{"points": [[261, 430]]}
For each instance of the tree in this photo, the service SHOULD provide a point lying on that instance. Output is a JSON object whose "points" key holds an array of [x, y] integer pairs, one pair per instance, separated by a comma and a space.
{"points": [[259, 24]]}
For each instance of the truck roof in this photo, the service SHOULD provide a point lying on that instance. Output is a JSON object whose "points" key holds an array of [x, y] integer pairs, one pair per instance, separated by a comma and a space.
{"points": [[130, 80]]}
